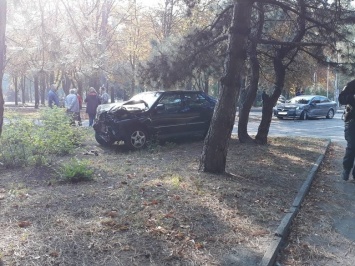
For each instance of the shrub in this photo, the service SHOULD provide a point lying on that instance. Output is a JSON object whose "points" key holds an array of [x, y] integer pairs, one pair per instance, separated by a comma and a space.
{"points": [[32, 142], [75, 171]]}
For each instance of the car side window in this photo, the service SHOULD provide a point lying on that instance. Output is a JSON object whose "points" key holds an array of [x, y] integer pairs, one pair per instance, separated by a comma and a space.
{"points": [[171, 103], [316, 100], [195, 100], [324, 100]]}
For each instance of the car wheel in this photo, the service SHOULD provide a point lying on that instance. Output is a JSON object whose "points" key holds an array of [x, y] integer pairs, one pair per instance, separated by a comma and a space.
{"points": [[304, 115], [330, 114], [137, 139], [104, 139], [280, 117]]}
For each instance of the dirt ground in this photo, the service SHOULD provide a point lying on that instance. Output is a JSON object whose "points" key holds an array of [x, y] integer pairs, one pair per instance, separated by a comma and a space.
{"points": [[153, 207]]}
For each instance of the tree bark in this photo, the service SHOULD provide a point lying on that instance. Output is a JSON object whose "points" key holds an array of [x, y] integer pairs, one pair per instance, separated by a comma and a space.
{"points": [[214, 153], [3, 8]]}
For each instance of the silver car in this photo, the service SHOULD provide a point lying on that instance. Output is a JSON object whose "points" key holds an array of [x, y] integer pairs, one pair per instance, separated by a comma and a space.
{"points": [[306, 106]]}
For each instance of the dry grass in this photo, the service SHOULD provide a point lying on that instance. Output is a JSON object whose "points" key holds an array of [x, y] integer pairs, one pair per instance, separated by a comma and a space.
{"points": [[153, 207]]}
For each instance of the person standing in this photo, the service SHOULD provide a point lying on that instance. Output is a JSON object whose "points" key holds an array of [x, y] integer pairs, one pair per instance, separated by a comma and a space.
{"points": [[52, 96], [347, 97], [72, 106], [104, 96], [92, 102]]}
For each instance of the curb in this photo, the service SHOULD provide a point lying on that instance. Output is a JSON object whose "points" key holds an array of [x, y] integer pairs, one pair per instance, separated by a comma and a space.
{"points": [[282, 231]]}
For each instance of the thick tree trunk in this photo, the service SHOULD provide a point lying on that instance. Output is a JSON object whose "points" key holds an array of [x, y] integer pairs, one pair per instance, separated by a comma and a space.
{"points": [[214, 153], [3, 7]]}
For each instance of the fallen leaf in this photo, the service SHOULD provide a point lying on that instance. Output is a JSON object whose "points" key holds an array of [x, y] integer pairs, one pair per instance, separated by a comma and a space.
{"points": [[54, 254], [23, 224], [260, 233]]}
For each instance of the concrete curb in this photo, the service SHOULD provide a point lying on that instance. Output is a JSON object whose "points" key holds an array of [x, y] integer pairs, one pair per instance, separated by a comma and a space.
{"points": [[282, 231]]}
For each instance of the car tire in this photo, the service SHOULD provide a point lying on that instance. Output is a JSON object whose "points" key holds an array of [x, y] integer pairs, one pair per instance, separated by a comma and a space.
{"points": [[330, 114], [104, 140], [280, 117], [136, 139], [304, 115]]}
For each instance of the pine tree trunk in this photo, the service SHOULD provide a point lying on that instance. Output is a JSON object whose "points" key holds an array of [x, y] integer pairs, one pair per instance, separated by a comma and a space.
{"points": [[214, 153]]}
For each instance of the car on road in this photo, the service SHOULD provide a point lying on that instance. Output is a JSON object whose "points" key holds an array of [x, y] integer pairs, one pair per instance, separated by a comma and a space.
{"points": [[306, 106], [154, 115]]}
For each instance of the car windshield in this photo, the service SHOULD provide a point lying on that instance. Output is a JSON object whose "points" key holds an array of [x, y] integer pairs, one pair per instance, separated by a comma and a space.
{"points": [[301, 99], [149, 97]]}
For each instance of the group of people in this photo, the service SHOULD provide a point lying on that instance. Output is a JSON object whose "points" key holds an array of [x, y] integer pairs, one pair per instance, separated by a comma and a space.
{"points": [[73, 103]]}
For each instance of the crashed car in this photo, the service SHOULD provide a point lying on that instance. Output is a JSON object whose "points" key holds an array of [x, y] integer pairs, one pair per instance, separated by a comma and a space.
{"points": [[305, 107], [154, 115]]}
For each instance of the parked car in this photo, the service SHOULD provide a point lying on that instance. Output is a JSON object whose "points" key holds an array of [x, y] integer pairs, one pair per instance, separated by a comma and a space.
{"points": [[155, 114], [306, 106]]}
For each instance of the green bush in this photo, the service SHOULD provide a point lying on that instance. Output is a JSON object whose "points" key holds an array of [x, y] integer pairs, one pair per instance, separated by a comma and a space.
{"points": [[75, 171], [33, 142]]}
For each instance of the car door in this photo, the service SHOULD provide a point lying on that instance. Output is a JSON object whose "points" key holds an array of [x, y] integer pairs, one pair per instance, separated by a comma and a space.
{"points": [[315, 108], [200, 112], [324, 105], [168, 118]]}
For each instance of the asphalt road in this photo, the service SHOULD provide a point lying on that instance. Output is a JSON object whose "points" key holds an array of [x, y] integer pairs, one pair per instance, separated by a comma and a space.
{"points": [[319, 128]]}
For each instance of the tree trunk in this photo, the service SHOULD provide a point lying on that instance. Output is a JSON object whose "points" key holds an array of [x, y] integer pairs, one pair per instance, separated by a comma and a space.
{"points": [[3, 8], [23, 89], [270, 101], [43, 88], [247, 101], [16, 90], [249, 94], [36, 85], [112, 94], [214, 153]]}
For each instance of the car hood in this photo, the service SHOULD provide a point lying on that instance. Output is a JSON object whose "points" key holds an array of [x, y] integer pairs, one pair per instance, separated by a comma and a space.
{"points": [[130, 106]]}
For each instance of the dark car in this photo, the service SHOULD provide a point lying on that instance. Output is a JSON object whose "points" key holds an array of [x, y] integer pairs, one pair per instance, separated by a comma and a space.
{"points": [[155, 114], [306, 106]]}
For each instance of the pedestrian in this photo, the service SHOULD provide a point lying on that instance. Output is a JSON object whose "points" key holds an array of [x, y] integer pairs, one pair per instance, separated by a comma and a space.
{"points": [[92, 102], [52, 96], [104, 96], [347, 97], [80, 107], [72, 106]]}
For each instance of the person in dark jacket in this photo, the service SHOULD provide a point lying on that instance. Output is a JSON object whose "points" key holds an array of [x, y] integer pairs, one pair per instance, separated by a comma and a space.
{"points": [[347, 97], [92, 102], [53, 97]]}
